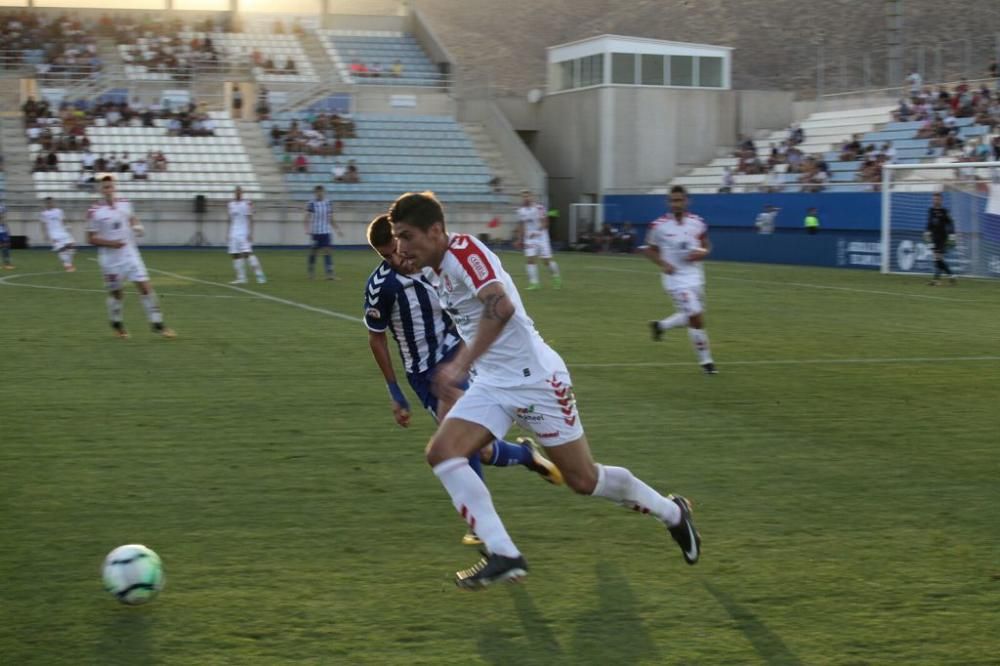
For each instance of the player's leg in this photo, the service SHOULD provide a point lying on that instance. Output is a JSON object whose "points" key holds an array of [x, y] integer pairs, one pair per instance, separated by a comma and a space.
{"points": [[114, 300], [328, 262], [258, 269], [473, 422], [5, 254], [65, 254], [678, 318], [530, 267], [311, 262], [546, 254], [690, 302], [239, 265], [150, 302]]}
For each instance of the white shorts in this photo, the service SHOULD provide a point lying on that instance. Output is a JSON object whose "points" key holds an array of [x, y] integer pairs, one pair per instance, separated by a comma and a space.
{"points": [[118, 272], [546, 408], [538, 247], [690, 301], [59, 242], [240, 244]]}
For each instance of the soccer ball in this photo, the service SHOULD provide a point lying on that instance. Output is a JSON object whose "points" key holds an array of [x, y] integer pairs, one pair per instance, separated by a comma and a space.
{"points": [[133, 573]]}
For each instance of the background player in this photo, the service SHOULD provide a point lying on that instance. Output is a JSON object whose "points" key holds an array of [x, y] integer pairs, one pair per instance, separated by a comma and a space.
{"points": [[241, 238], [320, 227], [112, 227], [678, 243], [941, 232], [517, 378], [5, 240], [533, 236], [54, 231], [397, 299]]}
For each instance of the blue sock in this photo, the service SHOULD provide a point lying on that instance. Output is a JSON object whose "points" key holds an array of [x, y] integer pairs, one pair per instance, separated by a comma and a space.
{"points": [[328, 263], [476, 465], [6, 254], [506, 454], [312, 263]]}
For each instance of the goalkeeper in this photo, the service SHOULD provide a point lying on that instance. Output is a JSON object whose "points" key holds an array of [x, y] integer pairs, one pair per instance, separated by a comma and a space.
{"points": [[941, 232]]}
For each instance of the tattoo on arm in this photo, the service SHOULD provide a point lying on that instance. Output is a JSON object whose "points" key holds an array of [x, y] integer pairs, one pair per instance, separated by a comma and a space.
{"points": [[491, 307]]}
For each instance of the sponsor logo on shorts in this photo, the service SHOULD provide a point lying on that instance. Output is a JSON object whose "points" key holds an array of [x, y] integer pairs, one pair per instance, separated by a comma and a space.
{"points": [[527, 414], [547, 435]]}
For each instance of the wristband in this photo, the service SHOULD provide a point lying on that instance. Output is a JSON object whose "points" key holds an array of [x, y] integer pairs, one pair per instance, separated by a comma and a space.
{"points": [[397, 395]]}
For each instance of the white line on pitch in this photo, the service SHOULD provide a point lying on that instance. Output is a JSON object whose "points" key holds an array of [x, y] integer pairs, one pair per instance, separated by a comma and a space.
{"points": [[807, 361], [9, 281], [716, 276], [267, 297]]}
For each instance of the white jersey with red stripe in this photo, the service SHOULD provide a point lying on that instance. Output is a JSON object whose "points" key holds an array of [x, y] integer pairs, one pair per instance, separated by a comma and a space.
{"points": [[532, 217], [113, 222], [675, 240], [519, 356], [240, 211]]}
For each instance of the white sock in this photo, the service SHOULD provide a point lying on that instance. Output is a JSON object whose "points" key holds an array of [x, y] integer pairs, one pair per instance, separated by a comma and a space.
{"points": [[532, 270], [472, 500], [673, 321], [241, 270], [152, 305], [255, 265], [66, 257], [554, 267], [620, 485], [699, 338], [114, 309]]}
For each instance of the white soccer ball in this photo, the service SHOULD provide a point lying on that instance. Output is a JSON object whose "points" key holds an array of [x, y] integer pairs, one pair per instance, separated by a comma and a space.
{"points": [[133, 573]]}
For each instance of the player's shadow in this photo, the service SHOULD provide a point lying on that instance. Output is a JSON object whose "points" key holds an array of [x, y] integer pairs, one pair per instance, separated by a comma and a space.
{"points": [[126, 638], [768, 644], [610, 633]]}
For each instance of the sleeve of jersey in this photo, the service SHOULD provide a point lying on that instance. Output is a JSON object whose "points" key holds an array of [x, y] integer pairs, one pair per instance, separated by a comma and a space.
{"points": [[652, 234], [379, 297], [474, 267], [91, 220]]}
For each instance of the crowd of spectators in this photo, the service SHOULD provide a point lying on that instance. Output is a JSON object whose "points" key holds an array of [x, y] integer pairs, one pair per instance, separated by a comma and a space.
{"points": [[785, 157], [608, 239], [318, 134], [376, 69], [58, 47]]}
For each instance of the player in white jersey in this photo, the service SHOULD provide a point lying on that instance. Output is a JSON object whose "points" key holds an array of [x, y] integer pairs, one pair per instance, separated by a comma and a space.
{"points": [[678, 244], [241, 238], [533, 236], [518, 378], [112, 227], [54, 231]]}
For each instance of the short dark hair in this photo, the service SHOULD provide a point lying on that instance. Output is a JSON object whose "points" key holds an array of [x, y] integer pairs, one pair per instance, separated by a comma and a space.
{"points": [[421, 209], [107, 179], [48, 198], [380, 231], [318, 188], [678, 189]]}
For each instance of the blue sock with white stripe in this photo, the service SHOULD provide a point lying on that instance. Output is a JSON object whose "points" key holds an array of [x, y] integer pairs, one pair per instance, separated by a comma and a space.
{"points": [[476, 465], [506, 454], [312, 264], [328, 264]]}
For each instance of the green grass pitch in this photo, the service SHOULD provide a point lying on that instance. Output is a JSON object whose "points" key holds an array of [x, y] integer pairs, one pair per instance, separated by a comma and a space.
{"points": [[844, 469]]}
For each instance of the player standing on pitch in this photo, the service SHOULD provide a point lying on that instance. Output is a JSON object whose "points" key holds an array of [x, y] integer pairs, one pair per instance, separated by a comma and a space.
{"points": [[533, 237], [678, 243], [241, 238], [941, 232], [112, 228], [54, 230]]}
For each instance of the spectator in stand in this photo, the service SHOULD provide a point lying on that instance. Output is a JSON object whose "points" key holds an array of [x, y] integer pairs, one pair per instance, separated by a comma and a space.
{"points": [[290, 67], [301, 164], [796, 135], [727, 181], [269, 66], [352, 175], [160, 161], [375, 70], [358, 69], [52, 162], [237, 102], [101, 165], [123, 166], [140, 169], [85, 180], [39, 165], [915, 81], [87, 160], [256, 57], [397, 69], [338, 147], [851, 149], [337, 173]]}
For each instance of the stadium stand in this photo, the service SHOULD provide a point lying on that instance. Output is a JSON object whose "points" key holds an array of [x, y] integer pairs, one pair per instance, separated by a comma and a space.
{"points": [[54, 47], [380, 58], [392, 153], [209, 161], [168, 57]]}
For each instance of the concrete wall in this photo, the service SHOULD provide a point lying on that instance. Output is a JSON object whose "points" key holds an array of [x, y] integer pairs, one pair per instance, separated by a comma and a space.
{"points": [[764, 109], [349, 22], [569, 147]]}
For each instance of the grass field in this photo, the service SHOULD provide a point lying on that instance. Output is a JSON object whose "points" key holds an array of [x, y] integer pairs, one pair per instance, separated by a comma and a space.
{"points": [[844, 467]]}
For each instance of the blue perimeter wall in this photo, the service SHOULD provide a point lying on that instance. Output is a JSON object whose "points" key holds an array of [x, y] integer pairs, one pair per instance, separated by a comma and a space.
{"points": [[849, 236]]}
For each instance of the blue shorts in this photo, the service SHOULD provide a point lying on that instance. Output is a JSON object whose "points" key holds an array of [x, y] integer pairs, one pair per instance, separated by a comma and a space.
{"points": [[320, 240], [422, 384]]}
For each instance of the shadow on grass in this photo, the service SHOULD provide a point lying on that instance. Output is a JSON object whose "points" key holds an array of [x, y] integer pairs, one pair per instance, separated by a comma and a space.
{"points": [[126, 638], [610, 633], [768, 644]]}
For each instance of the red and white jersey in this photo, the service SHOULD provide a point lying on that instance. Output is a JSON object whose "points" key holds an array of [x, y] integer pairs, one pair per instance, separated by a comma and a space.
{"points": [[676, 240], [240, 211], [519, 356], [532, 217], [112, 222]]}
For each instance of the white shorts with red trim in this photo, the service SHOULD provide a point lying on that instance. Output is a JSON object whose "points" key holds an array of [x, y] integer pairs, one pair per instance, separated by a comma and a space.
{"points": [[546, 408], [689, 300]]}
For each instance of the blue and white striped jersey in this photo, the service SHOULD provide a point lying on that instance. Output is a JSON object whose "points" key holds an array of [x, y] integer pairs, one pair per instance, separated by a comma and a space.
{"points": [[320, 212], [409, 307]]}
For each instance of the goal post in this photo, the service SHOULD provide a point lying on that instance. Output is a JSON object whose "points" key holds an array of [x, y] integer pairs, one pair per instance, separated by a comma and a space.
{"points": [[971, 193]]}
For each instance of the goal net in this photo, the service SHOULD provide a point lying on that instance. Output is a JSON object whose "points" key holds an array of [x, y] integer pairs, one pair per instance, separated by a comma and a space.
{"points": [[971, 193]]}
